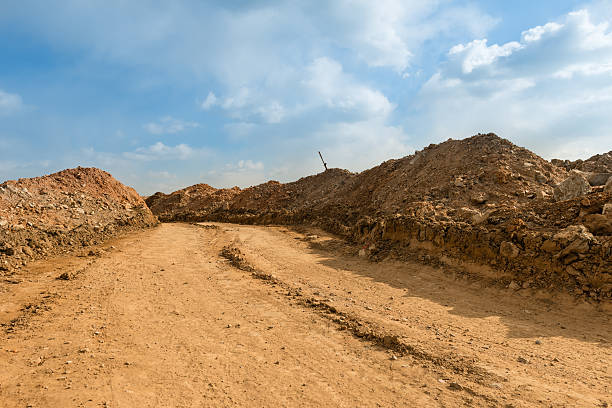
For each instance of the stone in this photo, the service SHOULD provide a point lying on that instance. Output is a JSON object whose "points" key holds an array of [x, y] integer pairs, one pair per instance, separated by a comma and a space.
{"points": [[455, 386], [598, 179], [574, 232], [522, 360], [607, 209], [574, 186], [514, 286], [479, 198], [549, 246], [508, 250], [598, 224], [608, 187], [540, 178]]}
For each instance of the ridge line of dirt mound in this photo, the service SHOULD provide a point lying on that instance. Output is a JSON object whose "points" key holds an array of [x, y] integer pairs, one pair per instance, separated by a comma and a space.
{"points": [[62, 212], [480, 199]]}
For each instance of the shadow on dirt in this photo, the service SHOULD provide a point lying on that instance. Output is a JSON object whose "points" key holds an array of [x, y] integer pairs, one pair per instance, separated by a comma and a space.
{"points": [[527, 313]]}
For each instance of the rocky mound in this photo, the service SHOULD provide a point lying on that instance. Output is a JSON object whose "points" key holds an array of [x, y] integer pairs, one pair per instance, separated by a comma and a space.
{"points": [[195, 199], [600, 163], [481, 199], [478, 172], [62, 211], [597, 170]]}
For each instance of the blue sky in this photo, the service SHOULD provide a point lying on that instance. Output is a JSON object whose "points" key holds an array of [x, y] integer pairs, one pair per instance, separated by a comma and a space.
{"points": [[167, 94]]}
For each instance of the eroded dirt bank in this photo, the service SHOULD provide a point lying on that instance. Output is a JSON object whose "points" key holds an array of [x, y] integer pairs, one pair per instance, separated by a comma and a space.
{"points": [[481, 200], [229, 315]]}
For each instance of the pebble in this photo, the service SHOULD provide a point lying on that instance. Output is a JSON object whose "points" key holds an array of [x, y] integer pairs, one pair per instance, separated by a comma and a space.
{"points": [[538, 342], [522, 360], [455, 386]]}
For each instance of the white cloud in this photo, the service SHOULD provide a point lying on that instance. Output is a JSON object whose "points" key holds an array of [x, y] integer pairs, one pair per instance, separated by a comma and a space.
{"points": [[388, 33], [547, 91], [322, 84], [477, 53], [9, 103], [330, 85], [360, 145], [209, 102], [169, 125], [536, 33], [245, 165], [160, 151]]}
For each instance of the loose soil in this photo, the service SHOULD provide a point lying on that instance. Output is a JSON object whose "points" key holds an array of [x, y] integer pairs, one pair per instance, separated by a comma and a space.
{"points": [[64, 212], [480, 200], [231, 315]]}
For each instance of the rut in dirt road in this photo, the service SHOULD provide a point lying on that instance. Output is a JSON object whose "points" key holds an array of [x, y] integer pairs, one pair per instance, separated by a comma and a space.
{"points": [[163, 320]]}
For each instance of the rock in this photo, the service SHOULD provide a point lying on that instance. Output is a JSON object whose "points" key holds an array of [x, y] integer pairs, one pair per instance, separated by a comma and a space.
{"points": [[608, 187], [479, 198], [455, 386], [598, 179], [574, 186], [10, 251], [538, 342], [540, 178], [549, 246], [607, 209], [598, 224], [514, 286], [522, 360], [508, 250], [574, 232]]}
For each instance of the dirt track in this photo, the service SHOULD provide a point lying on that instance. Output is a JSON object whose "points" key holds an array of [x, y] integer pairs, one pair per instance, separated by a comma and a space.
{"points": [[163, 320]]}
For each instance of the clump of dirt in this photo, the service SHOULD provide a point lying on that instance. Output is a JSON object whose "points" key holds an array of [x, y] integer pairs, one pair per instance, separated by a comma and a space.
{"points": [[63, 211], [481, 199]]}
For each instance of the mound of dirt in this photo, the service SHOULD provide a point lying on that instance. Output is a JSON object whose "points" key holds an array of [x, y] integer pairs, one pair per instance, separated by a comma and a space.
{"points": [[600, 163], [63, 211], [481, 199], [477, 173], [200, 199]]}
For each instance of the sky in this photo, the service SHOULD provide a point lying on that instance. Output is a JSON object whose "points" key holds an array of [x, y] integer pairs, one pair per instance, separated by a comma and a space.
{"points": [[164, 94]]}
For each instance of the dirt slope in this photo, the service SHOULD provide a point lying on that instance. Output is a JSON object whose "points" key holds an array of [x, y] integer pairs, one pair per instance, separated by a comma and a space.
{"points": [[481, 200], [64, 211], [473, 172], [600, 163], [176, 325]]}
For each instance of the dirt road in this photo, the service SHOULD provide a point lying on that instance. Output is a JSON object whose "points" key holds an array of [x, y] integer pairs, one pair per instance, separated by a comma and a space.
{"points": [[160, 319]]}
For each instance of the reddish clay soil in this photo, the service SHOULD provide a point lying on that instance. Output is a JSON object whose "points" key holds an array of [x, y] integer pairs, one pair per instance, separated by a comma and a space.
{"points": [[65, 211]]}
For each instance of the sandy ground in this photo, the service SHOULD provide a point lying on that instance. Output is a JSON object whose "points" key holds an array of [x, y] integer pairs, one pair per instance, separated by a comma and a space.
{"points": [[160, 319]]}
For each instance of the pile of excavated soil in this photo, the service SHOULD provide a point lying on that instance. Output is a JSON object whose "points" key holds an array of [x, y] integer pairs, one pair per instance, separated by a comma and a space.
{"points": [[190, 200], [481, 199], [600, 163], [64, 211], [471, 175]]}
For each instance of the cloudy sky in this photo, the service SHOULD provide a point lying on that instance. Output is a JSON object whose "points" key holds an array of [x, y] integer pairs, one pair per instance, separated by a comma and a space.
{"points": [[165, 94]]}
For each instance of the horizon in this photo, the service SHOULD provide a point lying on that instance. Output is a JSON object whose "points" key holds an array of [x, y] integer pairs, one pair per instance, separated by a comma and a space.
{"points": [[298, 177], [164, 96]]}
